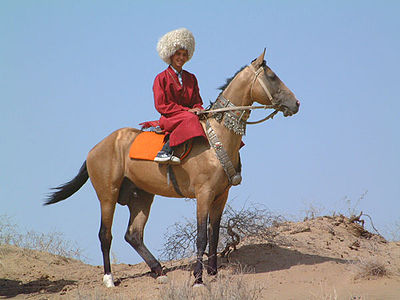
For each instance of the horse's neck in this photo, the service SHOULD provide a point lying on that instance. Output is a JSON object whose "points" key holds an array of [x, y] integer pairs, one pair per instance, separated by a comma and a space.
{"points": [[238, 93], [239, 89]]}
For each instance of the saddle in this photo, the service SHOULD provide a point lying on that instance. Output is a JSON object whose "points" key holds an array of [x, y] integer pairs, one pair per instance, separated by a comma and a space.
{"points": [[148, 143]]}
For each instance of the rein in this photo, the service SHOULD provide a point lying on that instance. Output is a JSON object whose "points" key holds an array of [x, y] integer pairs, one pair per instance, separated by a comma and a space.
{"points": [[234, 108], [270, 116], [224, 109]]}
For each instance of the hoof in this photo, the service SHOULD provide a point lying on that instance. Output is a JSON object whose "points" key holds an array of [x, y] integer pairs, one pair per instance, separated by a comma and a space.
{"points": [[163, 279], [199, 286], [108, 280]]}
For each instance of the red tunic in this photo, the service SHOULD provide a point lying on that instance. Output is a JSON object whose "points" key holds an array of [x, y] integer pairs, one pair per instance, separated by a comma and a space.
{"points": [[173, 100]]}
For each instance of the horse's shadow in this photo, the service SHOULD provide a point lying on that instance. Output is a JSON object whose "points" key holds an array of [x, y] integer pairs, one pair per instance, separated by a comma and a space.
{"points": [[182, 266], [12, 288], [255, 258], [261, 258]]}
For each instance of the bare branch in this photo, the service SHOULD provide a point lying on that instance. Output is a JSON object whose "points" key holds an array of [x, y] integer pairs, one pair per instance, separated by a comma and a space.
{"points": [[255, 220]]}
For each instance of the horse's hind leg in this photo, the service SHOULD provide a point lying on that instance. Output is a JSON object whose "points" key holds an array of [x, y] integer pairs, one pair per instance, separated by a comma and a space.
{"points": [[107, 213], [139, 204], [106, 181]]}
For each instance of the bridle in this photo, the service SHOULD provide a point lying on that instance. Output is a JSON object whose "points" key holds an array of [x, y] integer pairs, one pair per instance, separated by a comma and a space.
{"points": [[262, 83], [273, 105], [229, 107]]}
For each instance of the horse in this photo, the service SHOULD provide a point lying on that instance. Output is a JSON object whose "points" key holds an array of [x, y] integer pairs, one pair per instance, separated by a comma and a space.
{"points": [[202, 175]]}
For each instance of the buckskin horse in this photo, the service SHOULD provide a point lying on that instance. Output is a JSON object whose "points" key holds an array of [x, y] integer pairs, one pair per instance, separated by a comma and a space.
{"points": [[204, 174]]}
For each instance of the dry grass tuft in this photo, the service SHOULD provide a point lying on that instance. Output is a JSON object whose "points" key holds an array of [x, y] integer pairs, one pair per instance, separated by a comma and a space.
{"points": [[232, 287], [370, 268], [99, 294]]}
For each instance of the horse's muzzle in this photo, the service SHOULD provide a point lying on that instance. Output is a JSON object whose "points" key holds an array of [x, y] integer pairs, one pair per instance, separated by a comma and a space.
{"points": [[287, 112]]}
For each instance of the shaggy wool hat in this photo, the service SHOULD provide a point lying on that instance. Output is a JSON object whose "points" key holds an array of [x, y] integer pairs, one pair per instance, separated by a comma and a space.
{"points": [[174, 40]]}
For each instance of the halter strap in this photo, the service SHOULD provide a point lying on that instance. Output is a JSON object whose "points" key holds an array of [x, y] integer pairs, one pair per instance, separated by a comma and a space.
{"points": [[261, 82]]}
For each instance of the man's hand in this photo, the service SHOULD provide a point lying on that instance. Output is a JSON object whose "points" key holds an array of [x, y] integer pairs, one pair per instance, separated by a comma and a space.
{"points": [[195, 110]]}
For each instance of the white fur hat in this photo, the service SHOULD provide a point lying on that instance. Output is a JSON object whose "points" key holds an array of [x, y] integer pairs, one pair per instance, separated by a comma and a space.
{"points": [[174, 40]]}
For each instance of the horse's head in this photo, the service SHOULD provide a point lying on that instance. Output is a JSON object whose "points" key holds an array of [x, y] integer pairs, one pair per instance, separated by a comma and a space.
{"points": [[268, 89]]}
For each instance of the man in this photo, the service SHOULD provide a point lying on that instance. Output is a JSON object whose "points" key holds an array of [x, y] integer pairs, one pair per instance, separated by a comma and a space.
{"points": [[176, 94]]}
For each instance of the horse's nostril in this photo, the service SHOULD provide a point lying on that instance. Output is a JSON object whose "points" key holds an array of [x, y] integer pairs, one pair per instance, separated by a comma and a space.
{"points": [[298, 103]]}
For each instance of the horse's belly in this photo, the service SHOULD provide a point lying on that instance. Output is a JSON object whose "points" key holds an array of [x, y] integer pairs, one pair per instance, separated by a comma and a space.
{"points": [[154, 178]]}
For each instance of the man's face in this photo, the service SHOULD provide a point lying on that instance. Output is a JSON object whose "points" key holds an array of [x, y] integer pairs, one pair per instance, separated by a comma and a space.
{"points": [[179, 58]]}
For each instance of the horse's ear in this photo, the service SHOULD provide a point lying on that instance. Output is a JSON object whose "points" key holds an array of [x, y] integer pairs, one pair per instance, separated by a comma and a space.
{"points": [[260, 60]]}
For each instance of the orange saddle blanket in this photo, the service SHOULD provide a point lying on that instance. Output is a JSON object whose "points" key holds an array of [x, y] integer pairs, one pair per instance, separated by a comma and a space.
{"points": [[146, 145]]}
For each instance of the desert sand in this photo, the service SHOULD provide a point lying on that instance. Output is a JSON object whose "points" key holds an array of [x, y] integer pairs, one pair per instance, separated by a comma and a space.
{"points": [[323, 258]]}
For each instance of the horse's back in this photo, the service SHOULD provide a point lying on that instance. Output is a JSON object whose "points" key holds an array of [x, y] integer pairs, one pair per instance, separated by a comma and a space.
{"points": [[122, 136], [112, 150]]}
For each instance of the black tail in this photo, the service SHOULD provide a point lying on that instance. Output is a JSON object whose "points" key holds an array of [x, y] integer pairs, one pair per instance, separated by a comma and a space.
{"points": [[68, 189]]}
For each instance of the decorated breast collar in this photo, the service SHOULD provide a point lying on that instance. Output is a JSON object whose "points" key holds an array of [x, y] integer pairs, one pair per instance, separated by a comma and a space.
{"points": [[234, 177], [234, 120]]}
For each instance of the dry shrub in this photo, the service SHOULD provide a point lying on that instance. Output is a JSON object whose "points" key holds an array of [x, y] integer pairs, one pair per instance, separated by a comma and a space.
{"points": [[53, 242], [393, 231], [8, 231], [251, 221], [180, 240], [370, 268], [312, 211]]}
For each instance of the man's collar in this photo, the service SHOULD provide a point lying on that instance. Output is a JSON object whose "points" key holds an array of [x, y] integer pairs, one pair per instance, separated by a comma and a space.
{"points": [[177, 73]]}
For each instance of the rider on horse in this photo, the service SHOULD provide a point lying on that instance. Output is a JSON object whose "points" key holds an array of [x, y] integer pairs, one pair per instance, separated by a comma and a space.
{"points": [[176, 94]]}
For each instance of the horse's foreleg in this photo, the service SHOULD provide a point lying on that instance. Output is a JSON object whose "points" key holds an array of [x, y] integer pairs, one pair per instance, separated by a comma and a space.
{"points": [[139, 207], [216, 210], [203, 205]]}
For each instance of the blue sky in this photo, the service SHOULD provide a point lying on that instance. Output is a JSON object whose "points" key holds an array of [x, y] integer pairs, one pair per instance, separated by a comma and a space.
{"points": [[71, 72]]}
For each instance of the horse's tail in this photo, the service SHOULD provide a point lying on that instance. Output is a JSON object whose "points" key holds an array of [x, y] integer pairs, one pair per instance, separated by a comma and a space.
{"points": [[68, 189]]}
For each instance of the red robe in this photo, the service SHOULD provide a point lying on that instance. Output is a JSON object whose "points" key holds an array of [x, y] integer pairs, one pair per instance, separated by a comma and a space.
{"points": [[173, 100]]}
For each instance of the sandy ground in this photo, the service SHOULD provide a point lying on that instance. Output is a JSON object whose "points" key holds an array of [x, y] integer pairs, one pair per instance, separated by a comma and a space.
{"points": [[323, 258]]}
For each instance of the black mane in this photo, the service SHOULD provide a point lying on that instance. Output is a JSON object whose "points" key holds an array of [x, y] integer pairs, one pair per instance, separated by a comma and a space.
{"points": [[228, 81]]}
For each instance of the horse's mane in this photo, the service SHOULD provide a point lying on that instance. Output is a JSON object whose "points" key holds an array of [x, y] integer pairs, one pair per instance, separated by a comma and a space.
{"points": [[223, 87], [228, 81]]}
